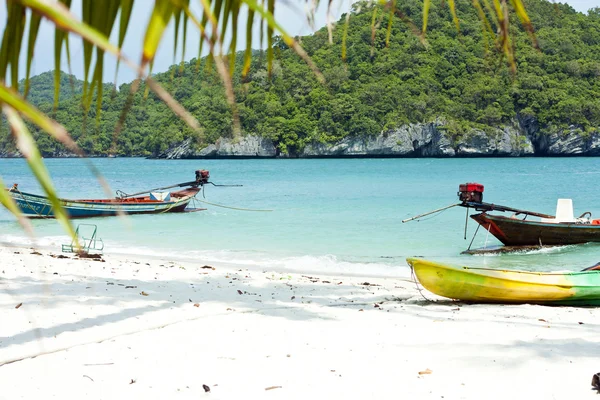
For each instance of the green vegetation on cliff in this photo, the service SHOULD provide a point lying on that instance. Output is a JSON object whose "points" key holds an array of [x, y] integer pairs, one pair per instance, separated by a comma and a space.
{"points": [[457, 76]]}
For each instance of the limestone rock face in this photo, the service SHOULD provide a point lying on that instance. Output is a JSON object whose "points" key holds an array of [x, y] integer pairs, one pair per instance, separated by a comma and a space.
{"points": [[414, 140], [569, 143], [179, 151], [427, 140], [506, 142], [9, 154], [247, 146], [523, 137], [566, 143]]}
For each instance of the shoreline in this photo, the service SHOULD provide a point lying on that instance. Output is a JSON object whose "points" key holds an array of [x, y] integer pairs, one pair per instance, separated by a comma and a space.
{"points": [[136, 327], [333, 157], [380, 270]]}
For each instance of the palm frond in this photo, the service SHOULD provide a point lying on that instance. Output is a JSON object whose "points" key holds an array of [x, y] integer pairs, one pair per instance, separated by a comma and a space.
{"points": [[161, 15], [11, 42], [345, 36], [12, 98], [426, 4], [452, 7], [27, 147], [126, 7], [248, 53], [34, 27], [525, 21]]}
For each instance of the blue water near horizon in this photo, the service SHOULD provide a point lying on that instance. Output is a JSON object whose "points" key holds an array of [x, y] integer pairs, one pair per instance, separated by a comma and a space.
{"points": [[329, 215]]}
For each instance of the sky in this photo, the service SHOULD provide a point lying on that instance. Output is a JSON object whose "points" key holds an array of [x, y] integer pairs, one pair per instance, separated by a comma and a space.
{"points": [[291, 14]]}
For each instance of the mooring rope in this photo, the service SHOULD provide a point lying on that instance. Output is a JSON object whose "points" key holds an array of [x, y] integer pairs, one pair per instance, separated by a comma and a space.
{"points": [[414, 277], [231, 208], [176, 203]]}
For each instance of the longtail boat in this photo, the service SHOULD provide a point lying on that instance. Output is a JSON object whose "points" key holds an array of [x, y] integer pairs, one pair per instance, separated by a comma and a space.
{"points": [[485, 285], [154, 201], [547, 230], [521, 232]]}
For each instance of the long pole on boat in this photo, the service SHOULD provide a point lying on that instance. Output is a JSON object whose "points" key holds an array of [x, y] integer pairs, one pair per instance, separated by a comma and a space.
{"points": [[494, 207], [431, 212], [191, 183]]}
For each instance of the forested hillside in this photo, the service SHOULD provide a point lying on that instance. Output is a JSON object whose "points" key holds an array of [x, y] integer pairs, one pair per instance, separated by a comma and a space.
{"points": [[456, 76]]}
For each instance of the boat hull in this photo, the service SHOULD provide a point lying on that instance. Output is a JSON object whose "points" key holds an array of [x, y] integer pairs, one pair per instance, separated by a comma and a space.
{"points": [[483, 285], [35, 206], [518, 232]]}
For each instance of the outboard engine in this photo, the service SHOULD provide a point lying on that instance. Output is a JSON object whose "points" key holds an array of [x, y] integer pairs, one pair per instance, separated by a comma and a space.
{"points": [[470, 192], [202, 176]]}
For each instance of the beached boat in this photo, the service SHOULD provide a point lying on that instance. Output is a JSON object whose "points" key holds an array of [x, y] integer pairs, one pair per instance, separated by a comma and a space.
{"points": [[484, 285], [148, 202]]}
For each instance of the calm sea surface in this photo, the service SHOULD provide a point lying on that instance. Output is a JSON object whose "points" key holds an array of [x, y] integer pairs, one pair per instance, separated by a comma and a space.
{"points": [[330, 216]]}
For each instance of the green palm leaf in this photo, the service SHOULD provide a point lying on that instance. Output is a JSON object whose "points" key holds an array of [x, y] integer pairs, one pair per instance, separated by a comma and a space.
{"points": [[161, 15], [452, 7], [27, 147], [126, 7]]}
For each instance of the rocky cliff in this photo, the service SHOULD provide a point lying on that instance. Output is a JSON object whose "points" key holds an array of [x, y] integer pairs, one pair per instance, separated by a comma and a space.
{"points": [[245, 147], [522, 138], [426, 140], [570, 142]]}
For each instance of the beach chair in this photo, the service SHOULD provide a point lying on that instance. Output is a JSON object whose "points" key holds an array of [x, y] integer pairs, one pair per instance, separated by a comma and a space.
{"points": [[89, 243]]}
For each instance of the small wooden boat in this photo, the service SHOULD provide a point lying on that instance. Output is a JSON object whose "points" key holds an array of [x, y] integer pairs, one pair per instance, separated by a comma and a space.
{"points": [[521, 232], [484, 285], [549, 230], [148, 202]]}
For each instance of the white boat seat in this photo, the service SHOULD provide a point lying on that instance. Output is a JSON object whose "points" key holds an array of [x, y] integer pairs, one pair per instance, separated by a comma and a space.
{"points": [[160, 196], [564, 212]]}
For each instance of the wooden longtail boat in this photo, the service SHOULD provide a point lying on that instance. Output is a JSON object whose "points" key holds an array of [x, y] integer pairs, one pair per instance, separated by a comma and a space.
{"points": [[484, 285], [148, 202], [550, 230], [521, 232]]}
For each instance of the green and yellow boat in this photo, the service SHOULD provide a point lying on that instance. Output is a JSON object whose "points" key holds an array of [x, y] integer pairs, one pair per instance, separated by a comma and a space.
{"points": [[485, 285]]}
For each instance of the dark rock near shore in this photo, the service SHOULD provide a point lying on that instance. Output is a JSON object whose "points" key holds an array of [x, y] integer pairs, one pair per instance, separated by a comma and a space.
{"points": [[10, 154]]}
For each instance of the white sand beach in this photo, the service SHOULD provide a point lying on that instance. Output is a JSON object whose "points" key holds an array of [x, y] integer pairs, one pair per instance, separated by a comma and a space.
{"points": [[135, 328]]}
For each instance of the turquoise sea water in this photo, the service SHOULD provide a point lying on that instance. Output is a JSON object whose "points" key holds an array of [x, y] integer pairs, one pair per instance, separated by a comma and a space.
{"points": [[329, 216]]}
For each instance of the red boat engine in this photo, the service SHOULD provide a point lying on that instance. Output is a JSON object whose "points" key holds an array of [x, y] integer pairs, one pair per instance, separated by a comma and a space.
{"points": [[470, 192], [202, 176]]}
